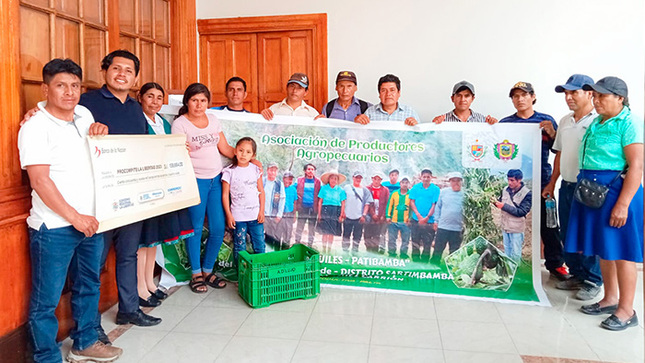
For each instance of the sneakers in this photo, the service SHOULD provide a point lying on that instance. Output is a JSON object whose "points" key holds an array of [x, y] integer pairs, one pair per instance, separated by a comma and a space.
{"points": [[560, 273], [102, 337], [97, 352], [588, 290], [570, 284]]}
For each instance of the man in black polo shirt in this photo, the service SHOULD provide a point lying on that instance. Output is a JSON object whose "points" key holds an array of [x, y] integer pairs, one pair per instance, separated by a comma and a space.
{"points": [[111, 105], [235, 95]]}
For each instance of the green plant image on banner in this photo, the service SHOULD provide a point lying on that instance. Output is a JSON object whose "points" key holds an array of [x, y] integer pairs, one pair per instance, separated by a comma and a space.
{"points": [[392, 248]]}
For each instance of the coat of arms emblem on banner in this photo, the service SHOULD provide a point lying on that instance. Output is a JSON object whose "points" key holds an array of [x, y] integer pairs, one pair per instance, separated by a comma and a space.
{"points": [[477, 150], [506, 151]]}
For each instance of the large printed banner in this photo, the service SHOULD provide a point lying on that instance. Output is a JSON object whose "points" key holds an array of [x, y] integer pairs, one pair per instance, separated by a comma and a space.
{"points": [[399, 252], [391, 248]]}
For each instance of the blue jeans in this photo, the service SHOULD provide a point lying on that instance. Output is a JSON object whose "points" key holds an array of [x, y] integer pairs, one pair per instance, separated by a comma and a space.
{"points": [[393, 232], [210, 193], [53, 253], [513, 245], [584, 268], [255, 229]]}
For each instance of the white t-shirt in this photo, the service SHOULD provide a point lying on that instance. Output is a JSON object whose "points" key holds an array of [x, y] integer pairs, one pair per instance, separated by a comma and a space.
{"points": [[46, 140], [568, 141], [245, 200]]}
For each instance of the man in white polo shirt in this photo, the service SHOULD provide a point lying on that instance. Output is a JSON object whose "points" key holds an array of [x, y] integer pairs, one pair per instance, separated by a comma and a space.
{"points": [[62, 228], [294, 104], [571, 128]]}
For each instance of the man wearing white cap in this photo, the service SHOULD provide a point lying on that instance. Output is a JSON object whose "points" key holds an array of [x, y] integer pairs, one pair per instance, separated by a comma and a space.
{"points": [[273, 204], [285, 227], [376, 227], [449, 218], [357, 206]]}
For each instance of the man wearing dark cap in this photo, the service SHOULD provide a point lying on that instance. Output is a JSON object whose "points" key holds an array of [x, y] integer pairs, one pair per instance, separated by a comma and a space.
{"points": [[572, 127], [294, 104], [273, 204], [523, 96], [463, 95], [346, 106]]}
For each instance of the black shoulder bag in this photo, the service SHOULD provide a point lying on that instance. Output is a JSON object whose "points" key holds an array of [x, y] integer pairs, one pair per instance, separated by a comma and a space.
{"points": [[591, 193]]}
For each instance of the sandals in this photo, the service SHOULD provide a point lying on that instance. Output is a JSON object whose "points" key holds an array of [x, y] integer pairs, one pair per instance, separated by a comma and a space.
{"points": [[197, 285], [215, 282]]}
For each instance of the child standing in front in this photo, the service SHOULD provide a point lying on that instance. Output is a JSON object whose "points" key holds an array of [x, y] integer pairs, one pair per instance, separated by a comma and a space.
{"points": [[243, 198]]}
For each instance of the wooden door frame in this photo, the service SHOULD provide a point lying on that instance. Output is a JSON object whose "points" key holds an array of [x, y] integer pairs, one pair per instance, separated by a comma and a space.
{"points": [[316, 23]]}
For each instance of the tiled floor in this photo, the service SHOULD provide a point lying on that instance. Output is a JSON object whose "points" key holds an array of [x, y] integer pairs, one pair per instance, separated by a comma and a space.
{"points": [[357, 326]]}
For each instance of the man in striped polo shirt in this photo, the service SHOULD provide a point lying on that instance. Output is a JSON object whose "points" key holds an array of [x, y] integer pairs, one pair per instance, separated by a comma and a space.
{"points": [[463, 95]]}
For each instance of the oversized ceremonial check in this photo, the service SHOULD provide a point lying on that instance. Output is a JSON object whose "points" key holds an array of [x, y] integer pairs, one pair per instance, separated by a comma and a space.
{"points": [[142, 176], [474, 264]]}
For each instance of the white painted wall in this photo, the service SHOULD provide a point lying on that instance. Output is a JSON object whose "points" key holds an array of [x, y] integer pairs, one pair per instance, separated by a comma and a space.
{"points": [[432, 44]]}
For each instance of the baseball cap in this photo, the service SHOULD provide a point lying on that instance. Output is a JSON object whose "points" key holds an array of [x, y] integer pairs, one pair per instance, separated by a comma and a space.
{"points": [[524, 86], [463, 85], [346, 76], [405, 178], [378, 174], [299, 78], [357, 173], [287, 174], [272, 165], [454, 174], [607, 85], [574, 83]]}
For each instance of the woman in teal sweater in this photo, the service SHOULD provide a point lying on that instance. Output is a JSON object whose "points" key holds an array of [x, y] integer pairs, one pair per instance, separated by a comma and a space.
{"points": [[168, 228]]}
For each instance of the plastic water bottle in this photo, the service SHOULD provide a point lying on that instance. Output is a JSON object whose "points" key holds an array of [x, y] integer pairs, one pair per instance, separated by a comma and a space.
{"points": [[551, 213]]}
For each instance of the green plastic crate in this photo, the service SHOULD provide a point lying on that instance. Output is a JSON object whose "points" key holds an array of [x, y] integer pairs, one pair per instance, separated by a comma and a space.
{"points": [[267, 278]]}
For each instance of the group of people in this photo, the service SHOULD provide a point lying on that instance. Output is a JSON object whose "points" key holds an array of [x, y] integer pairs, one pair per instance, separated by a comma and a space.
{"points": [[602, 244], [400, 207]]}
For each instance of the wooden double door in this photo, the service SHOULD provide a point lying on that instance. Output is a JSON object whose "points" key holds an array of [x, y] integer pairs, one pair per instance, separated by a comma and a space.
{"points": [[264, 51]]}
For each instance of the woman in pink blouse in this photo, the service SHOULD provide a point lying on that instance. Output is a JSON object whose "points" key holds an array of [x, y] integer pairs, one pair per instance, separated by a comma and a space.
{"points": [[207, 143]]}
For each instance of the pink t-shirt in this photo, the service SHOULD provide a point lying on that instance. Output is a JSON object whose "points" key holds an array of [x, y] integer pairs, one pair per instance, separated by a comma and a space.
{"points": [[245, 200], [204, 154]]}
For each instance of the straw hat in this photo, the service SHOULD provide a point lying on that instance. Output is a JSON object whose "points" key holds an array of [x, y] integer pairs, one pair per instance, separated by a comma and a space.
{"points": [[325, 177]]}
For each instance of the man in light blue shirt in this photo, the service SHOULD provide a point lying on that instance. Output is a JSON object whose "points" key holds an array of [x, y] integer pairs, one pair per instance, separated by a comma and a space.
{"points": [[273, 204], [423, 198], [449, 218], [285, 227], [389, 109]]}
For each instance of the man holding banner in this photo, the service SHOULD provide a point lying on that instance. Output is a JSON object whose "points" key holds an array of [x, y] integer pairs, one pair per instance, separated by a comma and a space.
{"points": [[523, 96], [62, 227]]}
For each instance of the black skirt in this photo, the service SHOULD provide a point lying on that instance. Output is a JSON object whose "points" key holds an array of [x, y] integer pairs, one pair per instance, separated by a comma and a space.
{"points": [[329, 223], [167, 228]]}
